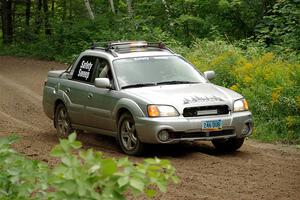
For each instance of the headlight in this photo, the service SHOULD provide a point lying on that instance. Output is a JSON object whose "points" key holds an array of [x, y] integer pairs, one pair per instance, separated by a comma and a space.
{"points": [[162, 111], [240, 105]]}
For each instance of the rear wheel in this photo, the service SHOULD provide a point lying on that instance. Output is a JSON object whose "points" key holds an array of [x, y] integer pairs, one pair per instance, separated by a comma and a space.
{"points": [[62, 121], [128, 137], [228, 145]]}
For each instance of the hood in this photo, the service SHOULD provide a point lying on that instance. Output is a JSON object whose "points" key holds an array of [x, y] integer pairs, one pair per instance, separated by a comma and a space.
{"points": [[185, 95]]}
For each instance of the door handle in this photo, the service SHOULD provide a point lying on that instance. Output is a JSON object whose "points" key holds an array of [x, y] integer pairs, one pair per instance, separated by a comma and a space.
{"points": [[68, 90], [90, 95]]}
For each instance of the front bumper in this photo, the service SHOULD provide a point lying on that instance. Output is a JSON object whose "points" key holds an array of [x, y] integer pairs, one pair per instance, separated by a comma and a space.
{"points": [[189, 128]]}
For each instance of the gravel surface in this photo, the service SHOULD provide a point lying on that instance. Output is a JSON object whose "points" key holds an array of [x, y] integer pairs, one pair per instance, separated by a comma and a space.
{"points": [[256, 171]]}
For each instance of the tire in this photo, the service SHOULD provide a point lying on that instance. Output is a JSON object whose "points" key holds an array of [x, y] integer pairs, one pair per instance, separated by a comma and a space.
{"points": [[62, 121], [228, 145], [127, 136]]}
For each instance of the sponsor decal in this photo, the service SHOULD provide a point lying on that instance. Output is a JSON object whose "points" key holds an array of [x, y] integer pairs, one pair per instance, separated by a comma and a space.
{"points": [[196, 99], [84, 69]]}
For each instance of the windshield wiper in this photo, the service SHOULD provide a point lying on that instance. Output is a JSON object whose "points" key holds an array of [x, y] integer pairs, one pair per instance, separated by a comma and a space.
{"points": [[159, 83], [175, 82], [138, 85]]}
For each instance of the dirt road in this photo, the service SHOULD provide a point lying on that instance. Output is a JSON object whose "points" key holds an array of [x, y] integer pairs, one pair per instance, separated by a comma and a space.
{"points": [[256, 171]]}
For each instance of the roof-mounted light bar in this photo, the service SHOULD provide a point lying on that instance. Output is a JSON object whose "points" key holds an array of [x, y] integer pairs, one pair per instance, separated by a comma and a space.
{"points": [[113, 47], [128, 44]]}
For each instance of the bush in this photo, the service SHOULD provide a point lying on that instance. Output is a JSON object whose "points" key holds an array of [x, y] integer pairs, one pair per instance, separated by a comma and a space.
{"points": [[270, 84], [20, 178], [80, 175]]}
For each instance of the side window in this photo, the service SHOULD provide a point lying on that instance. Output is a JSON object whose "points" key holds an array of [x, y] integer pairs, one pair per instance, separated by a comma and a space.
{"points": [[99, 68], [104, 71], [85, 68]]}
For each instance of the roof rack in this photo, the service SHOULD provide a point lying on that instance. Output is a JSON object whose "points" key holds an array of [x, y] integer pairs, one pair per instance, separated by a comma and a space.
{"points": [[111, 51], [127, 46], [160, 45]]}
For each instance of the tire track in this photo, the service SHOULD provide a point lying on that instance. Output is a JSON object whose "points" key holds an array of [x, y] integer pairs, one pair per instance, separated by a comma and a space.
{"points": [[24, 91], [14, 94], [20, 122]]}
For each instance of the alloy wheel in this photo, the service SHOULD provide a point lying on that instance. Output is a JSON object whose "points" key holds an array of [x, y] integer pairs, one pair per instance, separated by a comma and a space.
{"points": [[128, 135]]}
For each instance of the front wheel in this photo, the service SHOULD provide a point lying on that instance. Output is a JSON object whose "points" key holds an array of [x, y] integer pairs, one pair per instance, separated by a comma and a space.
{"points": [[128, 137], [62, 121], [228, 145]]}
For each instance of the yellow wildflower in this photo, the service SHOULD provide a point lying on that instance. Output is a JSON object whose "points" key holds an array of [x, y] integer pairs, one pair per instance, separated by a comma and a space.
{"points": [[267, 57], [267, 73], [234, 87], [276, 94], [290, 121], [247, 79], [298, 102], [247, 66]]}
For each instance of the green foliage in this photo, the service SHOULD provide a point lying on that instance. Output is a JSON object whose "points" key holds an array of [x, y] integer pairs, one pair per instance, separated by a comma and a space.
{"points": [[280, 28], [176, 22], [183, 20], [81, 174], [20, 178], [270, 84]]}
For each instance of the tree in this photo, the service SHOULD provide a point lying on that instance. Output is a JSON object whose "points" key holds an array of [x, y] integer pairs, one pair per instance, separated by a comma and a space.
{"points": [[6, 17], [111, 2], [89, 9], [38, 16], [52, 8], [27, 12], [64, 9], [129, 8], [166, 9], [46, 17]]}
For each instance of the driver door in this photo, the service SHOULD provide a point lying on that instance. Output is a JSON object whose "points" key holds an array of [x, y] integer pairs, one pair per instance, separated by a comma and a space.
{"points": [[100, 104], [75, 88]]}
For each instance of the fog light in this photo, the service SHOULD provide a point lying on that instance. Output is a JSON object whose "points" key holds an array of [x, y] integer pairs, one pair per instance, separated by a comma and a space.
{"points": [[163, 135], [246, 129]]}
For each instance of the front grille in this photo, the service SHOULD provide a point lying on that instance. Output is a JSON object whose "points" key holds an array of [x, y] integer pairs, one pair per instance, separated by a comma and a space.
{"points": [[205, 111], [178, 135]]}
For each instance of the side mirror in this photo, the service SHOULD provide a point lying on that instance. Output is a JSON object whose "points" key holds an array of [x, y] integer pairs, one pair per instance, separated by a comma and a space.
{"points": [[102, 83], [209, 75]]}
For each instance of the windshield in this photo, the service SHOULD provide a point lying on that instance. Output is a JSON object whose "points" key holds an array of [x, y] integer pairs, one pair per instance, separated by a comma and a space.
{"points": [[149, 71]]}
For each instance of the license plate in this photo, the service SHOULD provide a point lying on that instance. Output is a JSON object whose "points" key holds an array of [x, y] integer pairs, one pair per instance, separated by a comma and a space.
{"points": [[214, 125]]}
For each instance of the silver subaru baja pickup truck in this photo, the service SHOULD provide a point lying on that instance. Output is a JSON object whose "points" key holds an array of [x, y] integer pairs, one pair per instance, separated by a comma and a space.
{"points": [[143, 93]]}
